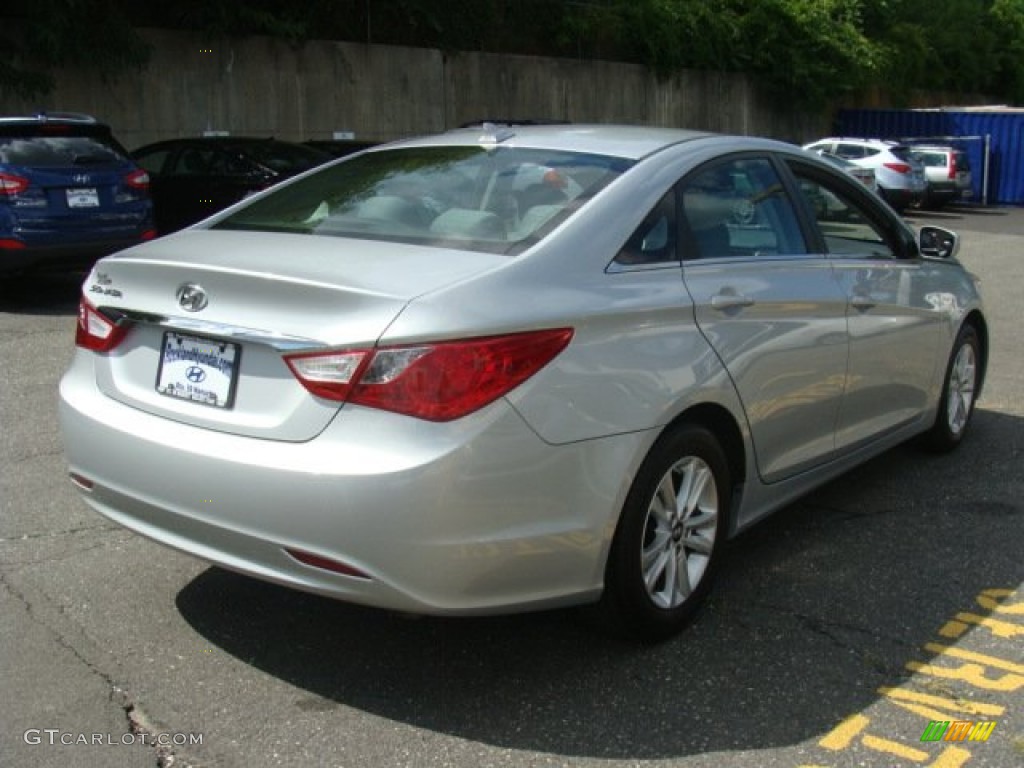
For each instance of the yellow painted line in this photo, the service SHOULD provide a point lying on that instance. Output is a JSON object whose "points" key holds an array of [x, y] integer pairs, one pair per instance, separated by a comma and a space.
{"points": [[953, 629], [973, 674], [981, 658], [843, 734], [998, 628], [989, 598], [952, 757], [894, 748], [950, 705]]}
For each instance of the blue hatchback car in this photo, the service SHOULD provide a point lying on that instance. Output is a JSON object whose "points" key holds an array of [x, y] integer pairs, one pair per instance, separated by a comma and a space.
{"points": [[69, 193]]}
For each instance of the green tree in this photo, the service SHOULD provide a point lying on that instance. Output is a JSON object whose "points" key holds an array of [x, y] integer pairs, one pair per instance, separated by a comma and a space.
{"points": [[809, 51], [806, 52], [46, 34]]}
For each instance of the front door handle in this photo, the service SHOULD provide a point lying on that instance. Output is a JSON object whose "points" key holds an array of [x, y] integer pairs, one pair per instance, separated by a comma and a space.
{"points": [[862, 301], [726, 301]]}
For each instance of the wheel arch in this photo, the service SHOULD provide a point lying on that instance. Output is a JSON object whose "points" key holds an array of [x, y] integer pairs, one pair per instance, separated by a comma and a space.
{"points": [[976, 320], [723, 425]]}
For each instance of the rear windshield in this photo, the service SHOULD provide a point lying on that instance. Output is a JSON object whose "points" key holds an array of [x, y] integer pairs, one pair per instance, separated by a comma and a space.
{"points": [[903, 153], [56, 146], [931, 159], [500, 200]]}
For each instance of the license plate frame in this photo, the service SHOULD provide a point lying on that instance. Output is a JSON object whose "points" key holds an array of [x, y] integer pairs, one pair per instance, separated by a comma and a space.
{"points": [[83, 197], [199, 370]]}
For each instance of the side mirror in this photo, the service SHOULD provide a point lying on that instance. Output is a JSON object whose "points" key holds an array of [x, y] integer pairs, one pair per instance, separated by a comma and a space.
{"points": [[938, 243]]}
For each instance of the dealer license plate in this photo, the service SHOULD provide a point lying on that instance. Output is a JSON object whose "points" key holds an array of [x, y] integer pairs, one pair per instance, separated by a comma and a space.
{"points": [[83, 198], [201, 370]]}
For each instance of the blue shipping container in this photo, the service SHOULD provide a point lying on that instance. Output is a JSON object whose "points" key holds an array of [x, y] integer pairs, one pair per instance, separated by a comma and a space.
{"points": [[1004, 132]]}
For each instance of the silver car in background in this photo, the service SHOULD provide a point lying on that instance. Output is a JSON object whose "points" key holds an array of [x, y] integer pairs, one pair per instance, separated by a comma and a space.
{"points": [[512, 368], [947, 171]]}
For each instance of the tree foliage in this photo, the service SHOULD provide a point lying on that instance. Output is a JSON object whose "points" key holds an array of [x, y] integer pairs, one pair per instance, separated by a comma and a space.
{"points": [[807, 52]]}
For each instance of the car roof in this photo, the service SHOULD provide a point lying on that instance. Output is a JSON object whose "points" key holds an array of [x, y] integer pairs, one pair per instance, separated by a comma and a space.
{"points": [[225, 141], [69, 118], [55, 123], [627, 141], [862, 139]]}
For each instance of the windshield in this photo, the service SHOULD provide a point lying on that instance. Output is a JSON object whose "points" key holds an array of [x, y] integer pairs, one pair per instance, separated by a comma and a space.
{"points": [[500, 200]]}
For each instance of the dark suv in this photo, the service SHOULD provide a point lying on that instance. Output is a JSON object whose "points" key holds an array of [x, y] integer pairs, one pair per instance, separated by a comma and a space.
{"points": [[69, 193]]}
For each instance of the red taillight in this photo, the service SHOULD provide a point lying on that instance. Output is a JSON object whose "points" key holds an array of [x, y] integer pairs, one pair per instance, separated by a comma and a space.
{"points": [[952, 167], [11, 184], [149, 234], [437, 382], [11, 244], [138, 180], [95, 331], [898, 167]]}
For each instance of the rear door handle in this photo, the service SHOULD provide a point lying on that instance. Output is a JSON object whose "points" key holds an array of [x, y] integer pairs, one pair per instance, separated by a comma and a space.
{"points": [[726, 301], [861, 301]]}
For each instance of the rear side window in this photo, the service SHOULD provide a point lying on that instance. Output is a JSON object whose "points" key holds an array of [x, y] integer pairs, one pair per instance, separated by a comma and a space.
{"points": [[494, 199], [153, 162], [853, 151], [193, 161], [654, 241]]}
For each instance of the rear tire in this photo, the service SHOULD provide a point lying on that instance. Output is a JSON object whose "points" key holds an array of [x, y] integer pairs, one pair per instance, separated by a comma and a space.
{"points": [[956, 405], [669, 537]]}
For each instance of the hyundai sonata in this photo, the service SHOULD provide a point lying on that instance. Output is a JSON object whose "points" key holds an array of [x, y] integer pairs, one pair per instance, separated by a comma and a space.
{"points": [[515, 367]]}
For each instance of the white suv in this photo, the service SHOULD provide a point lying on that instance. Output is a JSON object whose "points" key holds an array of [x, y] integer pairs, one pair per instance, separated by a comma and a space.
{"points": [[900, 177]]}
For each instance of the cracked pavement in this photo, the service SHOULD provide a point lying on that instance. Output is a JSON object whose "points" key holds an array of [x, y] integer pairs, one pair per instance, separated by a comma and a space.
{"points": [[817, 610]]}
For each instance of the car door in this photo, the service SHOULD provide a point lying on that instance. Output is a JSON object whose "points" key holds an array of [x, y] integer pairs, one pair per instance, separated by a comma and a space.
{"points": [[232, 177], [894, 329], [187, 186], [772, 311], [157, 162]]}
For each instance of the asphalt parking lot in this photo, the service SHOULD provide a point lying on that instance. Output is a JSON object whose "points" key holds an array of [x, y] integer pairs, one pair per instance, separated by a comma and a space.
{"points": [[841, 628]]}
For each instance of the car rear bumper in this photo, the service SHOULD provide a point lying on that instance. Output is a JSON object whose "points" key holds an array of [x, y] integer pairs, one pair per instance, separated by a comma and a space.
{"points": [[78, 255], [901, 198], [473, 516]]}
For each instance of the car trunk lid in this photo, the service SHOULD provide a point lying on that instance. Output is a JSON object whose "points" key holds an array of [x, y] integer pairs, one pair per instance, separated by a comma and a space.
{"points": [[206, 340]]}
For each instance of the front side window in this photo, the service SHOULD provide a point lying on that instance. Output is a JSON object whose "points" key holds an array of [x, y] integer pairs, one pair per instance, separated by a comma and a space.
{"points": [[739, 208], [500, 200], [843, 220]]}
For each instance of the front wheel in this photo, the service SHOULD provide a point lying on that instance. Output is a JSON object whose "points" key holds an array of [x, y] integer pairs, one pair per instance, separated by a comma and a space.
{"points": [[956, 405], [669, 536]]}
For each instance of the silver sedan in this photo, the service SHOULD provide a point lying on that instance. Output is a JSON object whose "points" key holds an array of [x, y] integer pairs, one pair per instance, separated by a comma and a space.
{"points": [[512, 368]]}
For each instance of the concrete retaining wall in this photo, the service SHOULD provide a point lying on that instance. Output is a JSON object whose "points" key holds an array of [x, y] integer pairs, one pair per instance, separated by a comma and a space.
{"points": [[262, 86]]}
